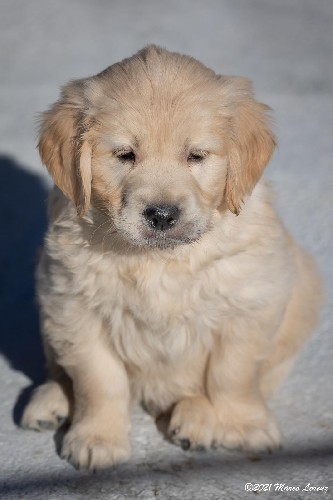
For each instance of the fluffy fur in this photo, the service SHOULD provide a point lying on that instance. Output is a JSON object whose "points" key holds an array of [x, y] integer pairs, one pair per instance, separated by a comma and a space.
{"points": [[200, 322]]}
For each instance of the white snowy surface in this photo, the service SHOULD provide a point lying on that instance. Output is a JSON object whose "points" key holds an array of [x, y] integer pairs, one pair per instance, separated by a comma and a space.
{"points": [[286, 48]]}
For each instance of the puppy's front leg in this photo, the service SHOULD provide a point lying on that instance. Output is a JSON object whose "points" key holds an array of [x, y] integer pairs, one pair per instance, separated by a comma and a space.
{"points": [[98, 436], [244, 420]]}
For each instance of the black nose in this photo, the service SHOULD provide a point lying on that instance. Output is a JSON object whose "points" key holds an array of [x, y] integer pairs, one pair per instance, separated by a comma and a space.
{"points": [[161, 217]]}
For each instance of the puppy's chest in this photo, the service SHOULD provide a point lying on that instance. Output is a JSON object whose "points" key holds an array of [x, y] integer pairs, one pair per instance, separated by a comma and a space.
{"points": [[155, 309], [155, 294]]}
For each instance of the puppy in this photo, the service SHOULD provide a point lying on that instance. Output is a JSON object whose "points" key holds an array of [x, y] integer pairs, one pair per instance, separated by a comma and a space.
{"points": [[163, 280]]}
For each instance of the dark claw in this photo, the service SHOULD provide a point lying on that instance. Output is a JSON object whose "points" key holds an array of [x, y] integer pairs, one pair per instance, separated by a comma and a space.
{"points": [[200, 447], [61, 420], [89, 458], [75, 464], [185, 444], [47, 425]]}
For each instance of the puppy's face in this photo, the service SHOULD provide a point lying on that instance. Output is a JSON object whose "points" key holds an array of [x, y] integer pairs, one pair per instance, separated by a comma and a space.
{"points": [[157, 143], [159, 166]]}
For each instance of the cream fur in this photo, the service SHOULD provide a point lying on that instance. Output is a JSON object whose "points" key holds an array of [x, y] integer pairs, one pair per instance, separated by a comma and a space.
{"points": [[202, 324]]}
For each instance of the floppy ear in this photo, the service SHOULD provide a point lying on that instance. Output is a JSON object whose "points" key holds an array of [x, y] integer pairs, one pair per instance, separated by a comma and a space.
{"points": [[64, 149], [250, 140]]}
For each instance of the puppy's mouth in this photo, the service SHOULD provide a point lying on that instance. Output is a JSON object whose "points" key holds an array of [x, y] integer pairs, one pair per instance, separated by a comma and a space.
{"points": [[168, 238], [146, 237]]}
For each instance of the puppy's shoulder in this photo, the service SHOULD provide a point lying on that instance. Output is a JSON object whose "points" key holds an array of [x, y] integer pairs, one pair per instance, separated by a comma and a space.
{"points": [[64, 237], [58, 206]]}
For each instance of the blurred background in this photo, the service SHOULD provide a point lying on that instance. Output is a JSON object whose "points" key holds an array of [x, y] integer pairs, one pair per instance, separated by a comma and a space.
{"points": [[286, 48]]}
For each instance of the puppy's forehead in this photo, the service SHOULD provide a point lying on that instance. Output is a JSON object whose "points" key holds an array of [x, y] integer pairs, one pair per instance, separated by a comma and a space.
{"points": [[154, 87], [155, 110]]}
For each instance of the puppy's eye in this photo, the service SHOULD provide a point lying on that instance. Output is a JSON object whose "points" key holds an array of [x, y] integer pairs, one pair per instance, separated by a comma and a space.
{"points": [[126, 156], [197, 156]]}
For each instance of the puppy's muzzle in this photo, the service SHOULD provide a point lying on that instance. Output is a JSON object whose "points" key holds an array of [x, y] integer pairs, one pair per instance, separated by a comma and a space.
{"points": [[161, 217]]}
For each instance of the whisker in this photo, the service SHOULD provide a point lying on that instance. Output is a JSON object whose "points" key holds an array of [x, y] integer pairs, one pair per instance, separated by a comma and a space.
{"points": [[96, 229]]}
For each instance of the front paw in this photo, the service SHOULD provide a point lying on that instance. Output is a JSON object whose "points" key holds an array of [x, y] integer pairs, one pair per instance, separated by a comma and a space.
{"points": [[89, 445], [254, 429]]}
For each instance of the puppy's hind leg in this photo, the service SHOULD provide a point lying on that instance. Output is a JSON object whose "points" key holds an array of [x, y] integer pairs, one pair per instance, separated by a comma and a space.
{"points": [[301, 316], [192, 423], [50, 405], [48, 408]]}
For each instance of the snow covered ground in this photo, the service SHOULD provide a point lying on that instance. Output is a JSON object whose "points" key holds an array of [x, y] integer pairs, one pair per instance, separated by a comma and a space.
{"points": [[286, 48]]}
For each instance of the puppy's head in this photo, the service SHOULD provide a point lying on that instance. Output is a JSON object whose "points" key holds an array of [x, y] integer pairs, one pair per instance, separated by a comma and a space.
{"points": [[158, 143]]}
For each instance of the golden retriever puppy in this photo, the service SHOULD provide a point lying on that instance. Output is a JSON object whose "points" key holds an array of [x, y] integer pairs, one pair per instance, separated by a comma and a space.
{"points": [[166, 276]]}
